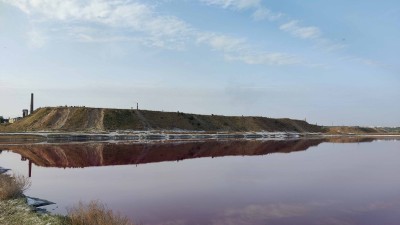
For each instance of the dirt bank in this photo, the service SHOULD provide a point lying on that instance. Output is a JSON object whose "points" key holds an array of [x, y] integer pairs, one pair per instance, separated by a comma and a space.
{"points": [[68, 119]]}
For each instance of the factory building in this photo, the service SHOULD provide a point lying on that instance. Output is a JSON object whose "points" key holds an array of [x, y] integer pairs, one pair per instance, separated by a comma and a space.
{"points": [[24, 113]]}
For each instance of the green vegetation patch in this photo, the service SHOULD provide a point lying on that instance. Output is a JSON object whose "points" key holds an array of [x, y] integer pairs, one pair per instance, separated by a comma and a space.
{"points": [[168, 120], [118, 119]]}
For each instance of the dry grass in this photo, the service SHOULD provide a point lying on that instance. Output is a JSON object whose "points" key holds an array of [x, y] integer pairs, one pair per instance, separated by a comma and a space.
{"points": [[13, 186], [95, 213], [17, 212], [88, 119], [353, 130]]}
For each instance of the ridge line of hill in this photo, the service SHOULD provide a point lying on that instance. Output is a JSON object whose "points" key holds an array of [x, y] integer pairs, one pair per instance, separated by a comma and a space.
{"points": [[73, 119]]}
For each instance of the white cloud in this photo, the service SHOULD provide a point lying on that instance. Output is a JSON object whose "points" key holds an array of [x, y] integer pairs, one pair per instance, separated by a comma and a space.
{"points": [[131, 16], [36, 39], [364, 61], [293, 27], [236, 49], [235, 4], [329, 45], [109, 12], [260, 12], [263, 13], [222, 42], [107, 21], [276, 59], [296, 30]]}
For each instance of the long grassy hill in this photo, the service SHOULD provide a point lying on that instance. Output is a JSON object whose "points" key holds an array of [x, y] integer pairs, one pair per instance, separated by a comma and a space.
{"points": [[67, 119]]}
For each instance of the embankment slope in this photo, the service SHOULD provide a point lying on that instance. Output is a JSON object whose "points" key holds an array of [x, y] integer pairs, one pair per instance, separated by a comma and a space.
{"points": [[70, 119]]}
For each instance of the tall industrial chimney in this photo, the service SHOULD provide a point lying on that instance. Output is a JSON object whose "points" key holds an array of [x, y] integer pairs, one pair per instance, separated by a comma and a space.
{"points": [[31, 103]]}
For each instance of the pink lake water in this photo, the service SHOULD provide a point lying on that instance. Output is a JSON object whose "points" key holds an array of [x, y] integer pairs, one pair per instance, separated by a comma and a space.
{"points": [[318, 181]]}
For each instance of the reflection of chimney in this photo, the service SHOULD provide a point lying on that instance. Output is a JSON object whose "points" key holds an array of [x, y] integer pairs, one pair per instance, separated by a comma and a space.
{"points": [[30, 168], [31, 103]]}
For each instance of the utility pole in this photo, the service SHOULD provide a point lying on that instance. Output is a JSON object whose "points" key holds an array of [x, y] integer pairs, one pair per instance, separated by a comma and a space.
{"points": [[137, 105]]}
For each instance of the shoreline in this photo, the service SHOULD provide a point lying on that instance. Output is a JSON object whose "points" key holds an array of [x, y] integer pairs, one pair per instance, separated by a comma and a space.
{"points": [[147, 136]]}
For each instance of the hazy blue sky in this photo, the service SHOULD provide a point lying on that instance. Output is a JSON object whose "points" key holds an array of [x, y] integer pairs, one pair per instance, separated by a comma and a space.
{"points": [[332, 62]]}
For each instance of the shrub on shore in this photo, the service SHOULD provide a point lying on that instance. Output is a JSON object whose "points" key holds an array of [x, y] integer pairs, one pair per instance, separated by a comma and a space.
{"points": [[13, 186], [17, 212], [14, 211], [95, 213]]}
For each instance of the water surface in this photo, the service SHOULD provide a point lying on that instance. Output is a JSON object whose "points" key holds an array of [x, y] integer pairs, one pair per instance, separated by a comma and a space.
{"points": [[305, 181]]}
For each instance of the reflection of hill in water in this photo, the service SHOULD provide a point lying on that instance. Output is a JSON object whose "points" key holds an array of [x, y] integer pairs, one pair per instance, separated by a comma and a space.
{"points": [[106, 154], [125, 153]]}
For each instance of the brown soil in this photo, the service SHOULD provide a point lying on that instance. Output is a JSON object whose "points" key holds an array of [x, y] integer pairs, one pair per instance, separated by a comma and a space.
{"points": [[99, 120], [355, 130]]}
